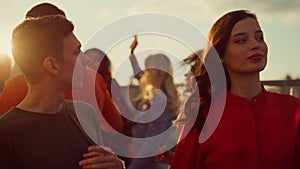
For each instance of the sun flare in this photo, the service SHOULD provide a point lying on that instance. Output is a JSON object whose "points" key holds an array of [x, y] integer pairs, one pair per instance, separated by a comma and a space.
{"points": [[5, 46]]}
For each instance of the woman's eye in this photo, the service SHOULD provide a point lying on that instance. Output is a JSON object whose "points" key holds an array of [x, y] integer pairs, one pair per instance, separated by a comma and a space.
{"points": [[259, 37], [240, 41]]}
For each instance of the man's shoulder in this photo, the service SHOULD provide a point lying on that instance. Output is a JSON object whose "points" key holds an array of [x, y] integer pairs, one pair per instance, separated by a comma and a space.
{"points": [[11, 114], [80, 109], [76, 104], [12, 118]]}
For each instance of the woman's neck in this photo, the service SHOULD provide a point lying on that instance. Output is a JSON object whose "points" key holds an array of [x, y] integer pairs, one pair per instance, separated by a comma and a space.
{"points": [[245, 86]]}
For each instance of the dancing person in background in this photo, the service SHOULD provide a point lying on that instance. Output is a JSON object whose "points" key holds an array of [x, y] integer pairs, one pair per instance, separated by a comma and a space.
{"points": [[156, 76]]}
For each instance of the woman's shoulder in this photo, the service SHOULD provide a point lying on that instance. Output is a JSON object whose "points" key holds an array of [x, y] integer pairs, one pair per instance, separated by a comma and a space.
{"points": [[281, 97], [283, 100]]}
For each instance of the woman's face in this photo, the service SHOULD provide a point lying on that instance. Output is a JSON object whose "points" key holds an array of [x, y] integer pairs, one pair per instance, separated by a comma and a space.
{"points": [[246, 51]]}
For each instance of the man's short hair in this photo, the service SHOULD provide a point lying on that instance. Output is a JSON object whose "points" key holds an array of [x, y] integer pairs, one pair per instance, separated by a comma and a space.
{"points": [[36, 38], [44, 9]]}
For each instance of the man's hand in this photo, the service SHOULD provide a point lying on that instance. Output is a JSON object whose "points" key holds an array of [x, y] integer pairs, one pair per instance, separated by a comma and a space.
{"points": [[100, 158]]}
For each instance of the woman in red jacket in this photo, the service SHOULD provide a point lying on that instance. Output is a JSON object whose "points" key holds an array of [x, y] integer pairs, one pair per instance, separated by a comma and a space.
{"points": [[257, 129]]}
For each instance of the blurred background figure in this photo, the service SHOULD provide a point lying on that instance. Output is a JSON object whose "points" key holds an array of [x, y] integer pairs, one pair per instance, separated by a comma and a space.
{"points": [[156, 77], [157, 91], [190, 87], [100, 63], [5, 69]]}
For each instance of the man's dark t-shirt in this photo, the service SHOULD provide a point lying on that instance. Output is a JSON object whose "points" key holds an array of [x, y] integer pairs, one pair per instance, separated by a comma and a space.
{"points": [[31, 140]]}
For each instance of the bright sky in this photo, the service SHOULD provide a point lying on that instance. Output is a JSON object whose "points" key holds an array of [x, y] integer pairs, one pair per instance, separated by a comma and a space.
{"points": [[279, 19]]}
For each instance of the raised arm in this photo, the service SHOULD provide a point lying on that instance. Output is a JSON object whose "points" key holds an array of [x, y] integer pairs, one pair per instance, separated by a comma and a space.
{"points": [[137, 71]]}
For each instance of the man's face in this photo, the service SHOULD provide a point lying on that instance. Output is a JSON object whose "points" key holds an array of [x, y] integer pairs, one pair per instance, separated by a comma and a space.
{"points": [[73, 67]]}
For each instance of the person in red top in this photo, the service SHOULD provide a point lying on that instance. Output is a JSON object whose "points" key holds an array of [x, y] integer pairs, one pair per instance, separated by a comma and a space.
{"points": [[16, 88], [258, 129]]}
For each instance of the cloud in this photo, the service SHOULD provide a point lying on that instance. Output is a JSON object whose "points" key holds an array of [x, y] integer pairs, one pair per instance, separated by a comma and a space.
{"points": [[286, 11]]}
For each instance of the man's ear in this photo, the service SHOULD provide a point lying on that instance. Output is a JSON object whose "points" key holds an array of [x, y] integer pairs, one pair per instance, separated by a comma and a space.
{"points": [[51, 65]]}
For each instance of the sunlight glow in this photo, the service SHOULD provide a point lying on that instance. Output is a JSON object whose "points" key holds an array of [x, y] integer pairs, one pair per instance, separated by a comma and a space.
{"points": [[5, 46]]}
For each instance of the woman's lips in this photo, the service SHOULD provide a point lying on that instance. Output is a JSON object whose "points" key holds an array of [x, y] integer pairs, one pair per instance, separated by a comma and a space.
{"points": [[256, 57]]}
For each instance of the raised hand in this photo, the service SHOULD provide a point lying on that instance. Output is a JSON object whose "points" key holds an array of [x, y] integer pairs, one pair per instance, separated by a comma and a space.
{"points": [[133, 44]]}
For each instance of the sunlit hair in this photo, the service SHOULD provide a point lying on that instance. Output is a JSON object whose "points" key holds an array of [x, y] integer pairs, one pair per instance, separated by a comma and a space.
{"points": [[158, 75], [44, 9], [218, 39], [36, 38]]}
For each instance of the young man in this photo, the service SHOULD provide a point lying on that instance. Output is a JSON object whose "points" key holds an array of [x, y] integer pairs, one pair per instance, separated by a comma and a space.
{"points": [[16, 88], [43, 130]]}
